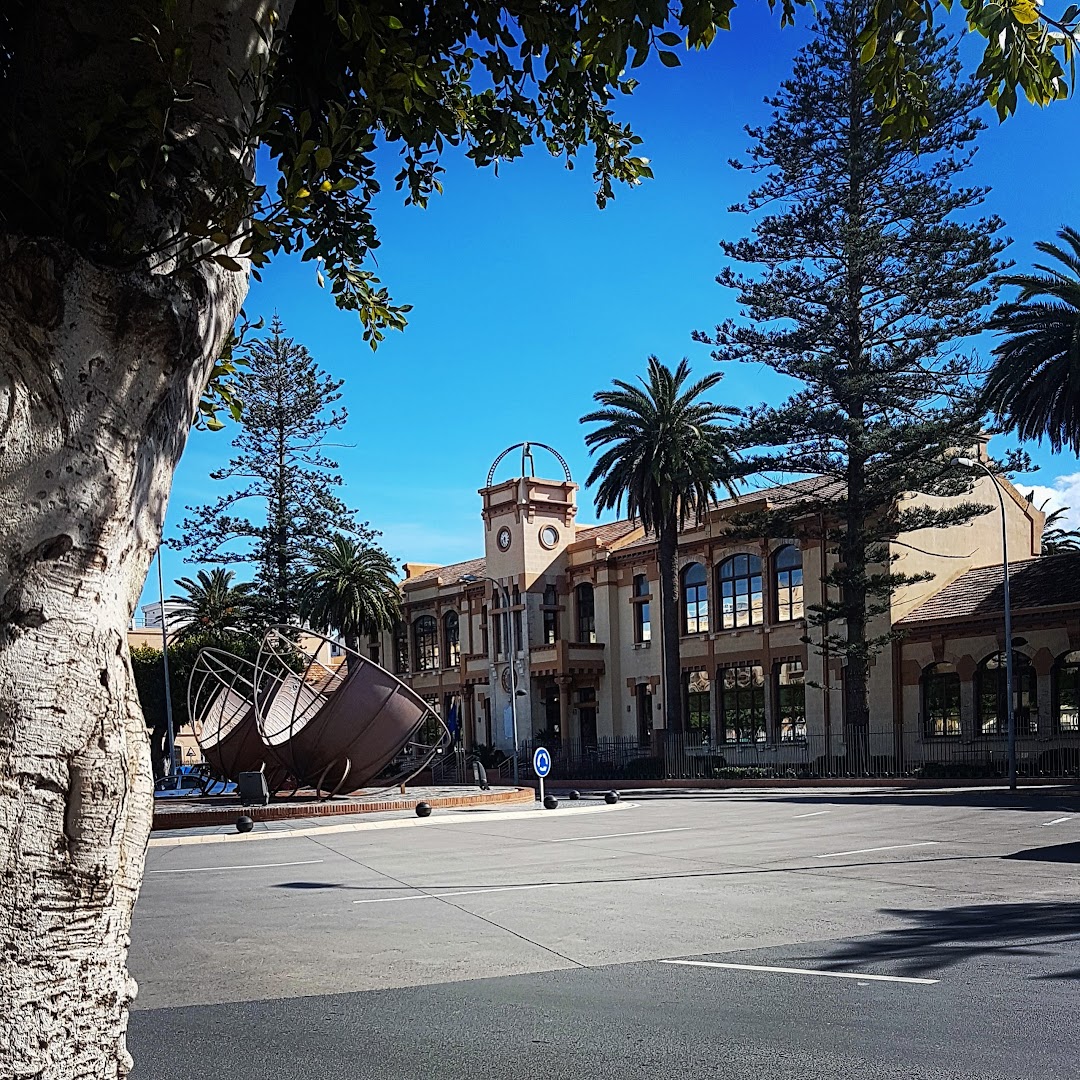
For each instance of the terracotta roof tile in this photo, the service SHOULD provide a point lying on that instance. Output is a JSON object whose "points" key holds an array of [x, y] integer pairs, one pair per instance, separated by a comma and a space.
{"points": [[448, 574], [605, 534], [1048, 581]]}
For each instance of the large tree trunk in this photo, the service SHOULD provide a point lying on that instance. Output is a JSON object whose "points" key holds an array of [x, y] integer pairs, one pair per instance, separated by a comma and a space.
{"points": [[100, 372], [667, 556]]}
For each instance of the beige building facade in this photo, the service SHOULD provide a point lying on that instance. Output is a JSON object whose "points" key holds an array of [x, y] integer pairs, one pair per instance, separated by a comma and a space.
{"points": [[584, 615]]}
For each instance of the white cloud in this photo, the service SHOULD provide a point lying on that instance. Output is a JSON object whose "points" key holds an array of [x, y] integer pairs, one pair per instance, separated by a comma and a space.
{"points": [[1063, 491]]}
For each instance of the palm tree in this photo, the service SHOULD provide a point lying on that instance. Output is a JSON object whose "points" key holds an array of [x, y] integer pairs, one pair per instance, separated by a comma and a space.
{"points": [[1034, 385], [213, 605], [352, 589], [667, 456]]}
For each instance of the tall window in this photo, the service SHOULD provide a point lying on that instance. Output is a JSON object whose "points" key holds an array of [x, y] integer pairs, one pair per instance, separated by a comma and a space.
{"points": [[696, 703], [990, 694], [940, 701], [497, 621], [550, 609], [642, 619], [741, 601], [742, 704], [787, 563], [516, 602], [401, 649], [790, 700], [1067, 693], [452, 638], [426, 643], [695, 599], [586, 613]]}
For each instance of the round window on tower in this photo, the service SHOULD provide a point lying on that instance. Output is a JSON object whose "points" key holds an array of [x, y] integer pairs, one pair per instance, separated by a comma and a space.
{"points": [[549, 536], [503, 539]]}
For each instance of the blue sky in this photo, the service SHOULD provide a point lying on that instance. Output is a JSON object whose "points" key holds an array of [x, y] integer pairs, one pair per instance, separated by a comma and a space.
{"points": [[527, 298]]}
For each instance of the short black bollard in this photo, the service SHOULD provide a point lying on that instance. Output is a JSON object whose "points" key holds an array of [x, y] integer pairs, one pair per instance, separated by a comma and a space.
{"points": [[611, 797], [423, 809], [244, 823], [550, 802], [574, 796]]}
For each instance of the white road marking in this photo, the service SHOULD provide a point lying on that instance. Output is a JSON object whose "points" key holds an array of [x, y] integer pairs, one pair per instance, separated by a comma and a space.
{"points": [[816, 813], [460, 892], [246, 866], [805, 971], [1058, 820], [867, 850], [611, 835]]}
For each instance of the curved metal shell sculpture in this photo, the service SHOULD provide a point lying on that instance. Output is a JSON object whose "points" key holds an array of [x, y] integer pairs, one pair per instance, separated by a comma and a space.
{"points": [[221, 703], [335, 728]]}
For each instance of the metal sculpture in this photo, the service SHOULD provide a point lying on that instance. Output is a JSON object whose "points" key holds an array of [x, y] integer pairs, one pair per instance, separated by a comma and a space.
{"points": [[528, 466], [221, 705], [336, 728]]}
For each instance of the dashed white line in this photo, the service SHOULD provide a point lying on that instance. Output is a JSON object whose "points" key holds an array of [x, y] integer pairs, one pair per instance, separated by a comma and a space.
{"points": [[816, 813], [805, 971], [867, 850], [459, 892], [245, 866], [611, 835], [1058, 820]]}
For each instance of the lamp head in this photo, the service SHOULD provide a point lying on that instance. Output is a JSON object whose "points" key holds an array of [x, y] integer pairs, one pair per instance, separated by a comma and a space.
{"points": [[468, 579], [968, 463]]}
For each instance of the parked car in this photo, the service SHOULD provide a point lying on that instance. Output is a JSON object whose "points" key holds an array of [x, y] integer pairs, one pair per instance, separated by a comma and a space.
{"points": [[191, 785]]}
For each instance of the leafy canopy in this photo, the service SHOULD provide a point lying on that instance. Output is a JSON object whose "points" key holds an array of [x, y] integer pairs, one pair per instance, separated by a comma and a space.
{"points": [[664, 448], [141, 160], [1034, 385]]}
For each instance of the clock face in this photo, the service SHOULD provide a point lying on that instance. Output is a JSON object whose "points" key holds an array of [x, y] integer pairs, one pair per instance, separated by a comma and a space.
{"points": [[549, 536], [503, 539], [506, 679]]}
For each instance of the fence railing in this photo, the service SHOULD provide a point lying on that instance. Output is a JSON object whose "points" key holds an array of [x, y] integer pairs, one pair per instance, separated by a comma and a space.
{"points": [[865, 754]]}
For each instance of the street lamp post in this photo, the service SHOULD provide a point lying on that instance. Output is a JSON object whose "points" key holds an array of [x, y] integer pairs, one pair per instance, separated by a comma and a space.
{"points": [[469, 579], [972, 463], [170, 739]]}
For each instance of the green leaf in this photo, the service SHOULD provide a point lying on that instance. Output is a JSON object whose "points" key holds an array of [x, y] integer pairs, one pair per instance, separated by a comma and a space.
{"points": [[670, 38], [668, 59], [869, 50], [323, 157]]}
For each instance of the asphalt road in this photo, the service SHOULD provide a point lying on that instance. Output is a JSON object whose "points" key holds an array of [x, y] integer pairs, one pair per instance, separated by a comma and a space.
{"points": [[528, 944]]}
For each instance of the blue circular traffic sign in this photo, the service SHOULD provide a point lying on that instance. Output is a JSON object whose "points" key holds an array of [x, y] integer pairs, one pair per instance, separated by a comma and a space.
{"points": [[541, 762]]}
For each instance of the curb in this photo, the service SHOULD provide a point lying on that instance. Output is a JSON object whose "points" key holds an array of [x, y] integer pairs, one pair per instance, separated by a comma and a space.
{"points": [[1029, 786], [283, 811]]}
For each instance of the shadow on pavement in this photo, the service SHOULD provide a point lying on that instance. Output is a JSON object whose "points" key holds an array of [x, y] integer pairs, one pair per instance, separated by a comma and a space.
{"points": [[1039, 799], [934, 940], [1062, 853]]}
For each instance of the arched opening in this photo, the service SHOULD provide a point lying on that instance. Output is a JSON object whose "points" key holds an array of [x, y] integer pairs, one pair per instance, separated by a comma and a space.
{"points": [[788, 581], [940, 701], [695, 597], [739, 585], [426, 643], [993, 713]]}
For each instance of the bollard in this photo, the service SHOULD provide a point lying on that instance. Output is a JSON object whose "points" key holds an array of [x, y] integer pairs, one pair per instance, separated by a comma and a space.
{"points": [[574, 796], [611, 797], [550, 802], [244, 823], [423, 809]]}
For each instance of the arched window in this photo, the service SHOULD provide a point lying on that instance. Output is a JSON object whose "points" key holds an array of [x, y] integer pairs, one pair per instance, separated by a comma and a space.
{"points": [[695, 599], [993, 715], [940, 701], [426, 643], [452, 639], [550, 608], [787, 565], [1067, 693], [642, 616], [586, 613], [741, 601], [401, 649]]}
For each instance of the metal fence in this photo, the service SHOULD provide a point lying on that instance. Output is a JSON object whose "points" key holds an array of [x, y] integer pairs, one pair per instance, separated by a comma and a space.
{"points": [[866, 754]]}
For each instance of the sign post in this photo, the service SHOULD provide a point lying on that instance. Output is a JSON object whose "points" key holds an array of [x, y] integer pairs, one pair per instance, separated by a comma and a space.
{"points": [[541, 766]]}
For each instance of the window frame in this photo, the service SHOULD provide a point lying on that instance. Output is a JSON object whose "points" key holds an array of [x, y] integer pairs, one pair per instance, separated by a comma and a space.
{"points": [[451, 643], [402, 659], [698, 622], [701, 697], [936, 673], [790, 730], [730, 621], [784, 585], [1025, 669], [642, 599], [754, 693], [426, 643], [586, 613], [1063, 663]]}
